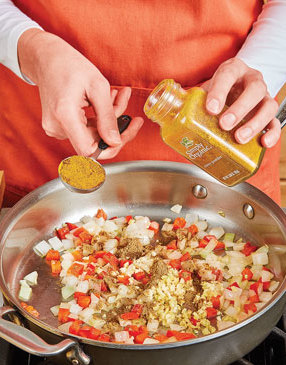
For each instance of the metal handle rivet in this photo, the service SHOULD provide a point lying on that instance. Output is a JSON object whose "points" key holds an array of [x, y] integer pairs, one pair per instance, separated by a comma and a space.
{"points": [[248, 211], [199, 191]]}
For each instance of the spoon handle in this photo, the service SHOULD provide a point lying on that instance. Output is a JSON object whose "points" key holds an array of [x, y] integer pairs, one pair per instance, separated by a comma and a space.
{"points": [[123, 122]]}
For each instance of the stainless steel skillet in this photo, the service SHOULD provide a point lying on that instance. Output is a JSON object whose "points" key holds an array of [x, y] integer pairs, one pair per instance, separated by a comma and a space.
{"points": [[137, 188]]}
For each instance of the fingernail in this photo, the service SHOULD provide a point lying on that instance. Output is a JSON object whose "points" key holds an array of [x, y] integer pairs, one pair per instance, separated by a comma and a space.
{"points": [[268, 141], [213, 106], [228, 121], [245, 134], [129, 94]]}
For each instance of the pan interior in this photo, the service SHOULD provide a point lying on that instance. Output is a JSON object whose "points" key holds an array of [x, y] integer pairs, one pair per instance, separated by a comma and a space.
{"points": [[130, 189]]}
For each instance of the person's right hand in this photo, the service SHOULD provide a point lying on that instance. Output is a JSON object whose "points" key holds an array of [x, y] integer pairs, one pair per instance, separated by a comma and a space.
{"points": [[68, 82]]}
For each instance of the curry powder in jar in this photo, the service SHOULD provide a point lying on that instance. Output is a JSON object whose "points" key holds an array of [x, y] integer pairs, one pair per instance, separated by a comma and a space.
{"points": [[187, 127]]}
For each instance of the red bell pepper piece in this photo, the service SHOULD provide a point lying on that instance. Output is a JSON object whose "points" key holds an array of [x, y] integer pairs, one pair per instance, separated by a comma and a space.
{"points": [[111, 259], [160, 338], [247, 274], [137, 309], [180, 336], [179, 223], [141, 337], [63, 315], [133, 330], [78, 294], [123, 262], [154, 226], [75, 327], [266, 285], [250, 307], [129, 316], [103, 287], [139, 276], [104, 337], [219, 246], [84, 301], [255, 286], [172, 245], [193, 229], [77, 255], [62, 232], [90, 269], [248, 249], [185, 257], [128, 218], [56, 267], [76, 269], [84, 331], [186, 275], [211, 312], [175, 264], [123, 279], [209, 237], [194, 321], [78, 231], [53, 255], [94, 333], [71, 226], [203, 243], [99, 254], [216, 301], [85, 237], [101, 214], [254, 299]]}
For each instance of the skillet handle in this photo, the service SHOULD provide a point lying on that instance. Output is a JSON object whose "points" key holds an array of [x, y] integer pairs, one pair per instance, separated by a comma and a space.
{"points": [[28, 341]]}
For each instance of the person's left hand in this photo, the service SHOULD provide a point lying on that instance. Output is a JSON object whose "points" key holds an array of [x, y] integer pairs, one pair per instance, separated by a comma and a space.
{"points": [[243, 89]]}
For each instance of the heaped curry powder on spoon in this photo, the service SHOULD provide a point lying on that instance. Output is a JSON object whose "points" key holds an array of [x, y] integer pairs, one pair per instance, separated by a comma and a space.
{"points": [[81, 173], [187, 127]]}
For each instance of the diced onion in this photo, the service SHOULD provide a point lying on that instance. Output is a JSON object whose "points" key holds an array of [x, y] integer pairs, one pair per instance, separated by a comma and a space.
{"points": [[202, 225], [221, 325], [25, 293], [176, 327], [231, 311], [174, 255], [82, 286], [55, 310], [68, 243], [42, 248], [259, 258], [150, 341], [56, 244], [273, 285], [266, 275], [121, 336], [65, 327], [218, 232], [176, 208], [110, 245], [67, 291], [32, 278], [265, 296], [152, 325]]}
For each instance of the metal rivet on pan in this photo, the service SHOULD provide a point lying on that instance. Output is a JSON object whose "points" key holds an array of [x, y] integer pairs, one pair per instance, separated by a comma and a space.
{"points": [[248, 211], [200, 191]]}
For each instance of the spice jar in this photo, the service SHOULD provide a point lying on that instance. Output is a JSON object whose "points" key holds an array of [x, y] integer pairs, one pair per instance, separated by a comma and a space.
{"points": [[187, 127]]}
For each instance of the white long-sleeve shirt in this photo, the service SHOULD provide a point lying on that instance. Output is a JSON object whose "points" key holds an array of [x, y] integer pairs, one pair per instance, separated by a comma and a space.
{"points": [[263, 50]]}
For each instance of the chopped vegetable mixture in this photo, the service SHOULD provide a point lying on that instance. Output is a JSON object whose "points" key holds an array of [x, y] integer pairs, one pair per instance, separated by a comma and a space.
{"points": [[126, 280]]}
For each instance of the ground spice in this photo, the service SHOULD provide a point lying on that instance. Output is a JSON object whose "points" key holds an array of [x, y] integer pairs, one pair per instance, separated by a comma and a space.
{"points": [[81, 172]]}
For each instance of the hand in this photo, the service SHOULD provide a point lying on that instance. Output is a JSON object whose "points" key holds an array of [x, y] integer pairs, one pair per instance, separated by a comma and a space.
{"points": [[242, 88], [67, 83]]}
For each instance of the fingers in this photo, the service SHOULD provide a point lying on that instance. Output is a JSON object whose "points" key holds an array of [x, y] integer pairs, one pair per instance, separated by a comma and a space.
{"points": [[99, 96], [221, 83], [258, 122], [255, 90], [271, 137], [126, 136], [121, 101]]}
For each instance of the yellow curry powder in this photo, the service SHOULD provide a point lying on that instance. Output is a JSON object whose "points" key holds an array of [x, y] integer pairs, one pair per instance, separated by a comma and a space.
{"points": [[81, 172]]}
